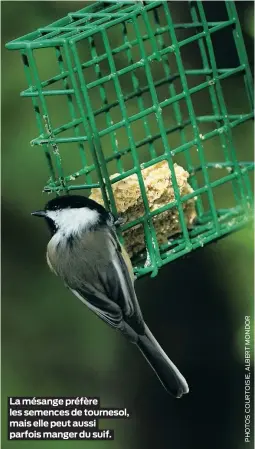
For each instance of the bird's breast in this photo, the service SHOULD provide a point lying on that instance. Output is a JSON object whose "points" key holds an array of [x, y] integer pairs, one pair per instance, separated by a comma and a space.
{"points": [[83, 256]]}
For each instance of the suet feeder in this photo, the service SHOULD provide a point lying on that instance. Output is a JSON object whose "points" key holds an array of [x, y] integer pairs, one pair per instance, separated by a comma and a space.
{"points": [[135, 107]]}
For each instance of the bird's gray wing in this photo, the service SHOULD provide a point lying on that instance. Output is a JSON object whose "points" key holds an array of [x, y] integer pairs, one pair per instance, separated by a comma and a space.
{"points": [[104, 283], [100, 304], [119, 278]]}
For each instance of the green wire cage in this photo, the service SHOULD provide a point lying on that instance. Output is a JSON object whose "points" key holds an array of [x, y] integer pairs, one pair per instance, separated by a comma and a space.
{"points": [[132, 102]]}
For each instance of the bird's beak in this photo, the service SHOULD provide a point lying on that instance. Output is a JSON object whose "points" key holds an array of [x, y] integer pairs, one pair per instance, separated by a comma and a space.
{"points": [[39, 213]]}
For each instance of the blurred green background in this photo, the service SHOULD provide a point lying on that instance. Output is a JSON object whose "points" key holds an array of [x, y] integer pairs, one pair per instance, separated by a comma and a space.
{"points": [[53, 346]]}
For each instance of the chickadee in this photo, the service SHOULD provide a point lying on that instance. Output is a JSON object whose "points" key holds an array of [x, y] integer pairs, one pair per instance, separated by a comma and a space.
{"points": [[84, 251]]}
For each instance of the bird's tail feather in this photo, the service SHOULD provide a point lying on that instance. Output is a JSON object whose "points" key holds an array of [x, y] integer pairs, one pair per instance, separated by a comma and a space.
{"points": [[167, 372]]}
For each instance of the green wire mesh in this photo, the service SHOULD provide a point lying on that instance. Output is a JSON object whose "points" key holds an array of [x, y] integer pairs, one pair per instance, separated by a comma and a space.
{"points": [[131, 103]]}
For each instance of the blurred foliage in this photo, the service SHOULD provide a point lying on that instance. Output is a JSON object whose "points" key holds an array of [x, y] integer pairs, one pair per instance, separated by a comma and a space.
{"points": [[249, 20], [52, 345]]}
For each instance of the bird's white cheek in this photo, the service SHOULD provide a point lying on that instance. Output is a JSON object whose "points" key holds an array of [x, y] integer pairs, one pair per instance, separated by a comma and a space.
{"points": [[73, 221]]}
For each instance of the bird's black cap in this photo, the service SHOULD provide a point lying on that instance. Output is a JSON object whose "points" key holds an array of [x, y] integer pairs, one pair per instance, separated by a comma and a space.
{"points": [[74, 202]]}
